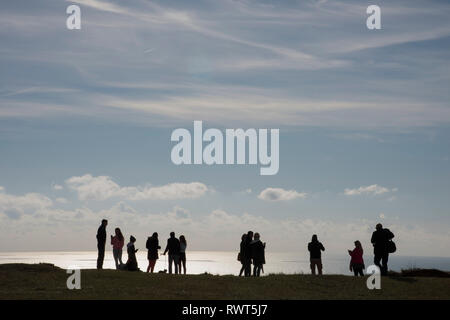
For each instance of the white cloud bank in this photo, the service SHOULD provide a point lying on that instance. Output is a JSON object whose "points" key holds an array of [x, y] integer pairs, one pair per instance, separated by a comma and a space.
{"points": [[373, 189], [280, 194], [89, 187]]}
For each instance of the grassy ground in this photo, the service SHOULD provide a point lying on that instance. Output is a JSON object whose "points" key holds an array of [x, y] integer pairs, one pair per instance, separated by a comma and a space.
{"points": [[22, 281]]}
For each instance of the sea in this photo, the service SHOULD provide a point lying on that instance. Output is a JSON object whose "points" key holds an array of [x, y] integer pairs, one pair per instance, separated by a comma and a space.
{"points": [[222, 263]]}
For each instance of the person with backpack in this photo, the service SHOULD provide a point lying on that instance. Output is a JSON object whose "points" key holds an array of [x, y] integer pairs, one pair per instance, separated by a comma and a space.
{"points": [[382, 246]]}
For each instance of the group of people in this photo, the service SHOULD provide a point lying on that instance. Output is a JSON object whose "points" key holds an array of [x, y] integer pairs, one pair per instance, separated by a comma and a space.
{"points": [[382, 244], [175, 247], [252, 251]]}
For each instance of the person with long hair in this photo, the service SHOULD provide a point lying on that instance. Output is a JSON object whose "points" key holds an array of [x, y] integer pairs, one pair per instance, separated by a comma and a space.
{"points": [[241, 253], [117, 242], [258, 255], [152, 245], [357, 261], [182, 261], [132, 264]]}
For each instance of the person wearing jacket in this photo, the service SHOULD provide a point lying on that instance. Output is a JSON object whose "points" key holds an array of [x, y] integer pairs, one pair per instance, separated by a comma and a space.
{"points": [[152, 246], [101, 243], [357, 261], [315, 255], [380, 240], [117, 242], [247, 258], [258, 255], [173, 247]]}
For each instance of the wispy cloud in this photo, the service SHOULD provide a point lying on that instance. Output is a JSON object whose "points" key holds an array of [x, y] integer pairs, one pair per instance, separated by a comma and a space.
{"points": [[280, 194], [373, 189], [100, 188]]}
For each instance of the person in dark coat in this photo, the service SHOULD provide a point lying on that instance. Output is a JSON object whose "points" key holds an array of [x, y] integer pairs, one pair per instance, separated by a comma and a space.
{"points": [[380, 239], [132, 264], [152, 246], [241, 253], [315, 249], [247, 258], [173, 247], [101, 243], [258, 255]]}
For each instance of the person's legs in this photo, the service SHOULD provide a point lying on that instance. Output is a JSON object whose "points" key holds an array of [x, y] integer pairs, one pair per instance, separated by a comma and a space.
{"points": [[101, 256], [242, 270], [176, 259], [384, 261], [319, 266], [170, 263], [313, 266], [119, 251], [116, 258], [248, 268], [377, 259], [183, 264], [151, 265]]}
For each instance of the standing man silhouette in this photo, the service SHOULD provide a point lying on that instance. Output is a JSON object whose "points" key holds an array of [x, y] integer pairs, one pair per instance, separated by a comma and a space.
{"points": [[380, 240], [101, 242], [173, 246]]}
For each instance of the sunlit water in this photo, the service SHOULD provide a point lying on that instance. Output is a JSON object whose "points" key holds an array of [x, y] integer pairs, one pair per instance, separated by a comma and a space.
{"points": [[220, 262]]}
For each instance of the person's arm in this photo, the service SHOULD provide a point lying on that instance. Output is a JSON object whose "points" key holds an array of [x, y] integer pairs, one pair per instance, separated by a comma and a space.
{"points": [[167, 248], [373, 238], [322, 247]]}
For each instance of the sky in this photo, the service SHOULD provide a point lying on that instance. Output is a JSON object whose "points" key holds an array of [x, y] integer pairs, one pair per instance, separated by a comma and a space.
{"points": [[86, 118]]}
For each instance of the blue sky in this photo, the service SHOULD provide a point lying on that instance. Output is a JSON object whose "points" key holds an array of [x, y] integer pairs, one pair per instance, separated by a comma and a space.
{"points": [[86, 117]]}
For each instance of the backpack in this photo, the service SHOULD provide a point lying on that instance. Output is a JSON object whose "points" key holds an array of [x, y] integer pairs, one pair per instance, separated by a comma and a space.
{"points": [[391, 247]]}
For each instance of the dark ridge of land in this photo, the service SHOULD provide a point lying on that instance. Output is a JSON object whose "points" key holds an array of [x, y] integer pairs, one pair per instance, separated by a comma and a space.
{"points": [[45, 281]]}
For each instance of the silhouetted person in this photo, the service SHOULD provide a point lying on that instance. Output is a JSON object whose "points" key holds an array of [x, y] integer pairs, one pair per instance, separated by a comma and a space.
{"points": [[258, 255], [183, 246], [152, 245], [117, 242], [315, 249], [132, 264], [248, 254], [241, 253], [357, 261], [101, 242], [380, 239], [173, 247]]}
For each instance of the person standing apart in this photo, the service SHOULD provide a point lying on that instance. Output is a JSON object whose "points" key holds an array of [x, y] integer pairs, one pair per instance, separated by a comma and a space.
{"points": [[101, 243], [315, 249], [173, 247], [183, 246], [152, 245], [117, 242], [380, 240]]}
